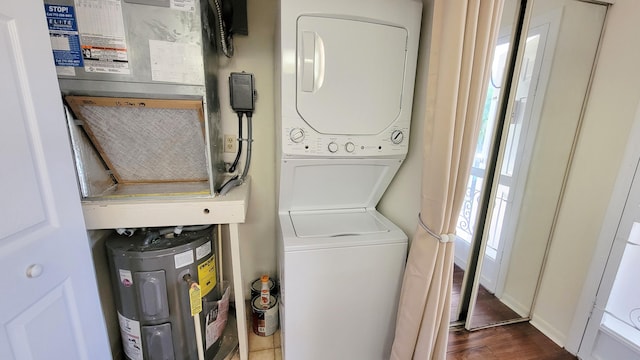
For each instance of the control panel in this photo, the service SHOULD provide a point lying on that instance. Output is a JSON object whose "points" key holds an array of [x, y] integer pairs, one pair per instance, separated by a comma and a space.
{"points": [[304, 140]]}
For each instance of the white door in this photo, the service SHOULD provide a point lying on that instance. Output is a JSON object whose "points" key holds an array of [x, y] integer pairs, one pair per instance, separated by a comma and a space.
{"points": [[49, 307], [613, 330]]}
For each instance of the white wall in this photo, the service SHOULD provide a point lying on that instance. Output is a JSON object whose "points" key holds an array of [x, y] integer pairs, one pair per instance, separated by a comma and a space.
{"points": [[609, 115], [401, 201], [254, 54]]}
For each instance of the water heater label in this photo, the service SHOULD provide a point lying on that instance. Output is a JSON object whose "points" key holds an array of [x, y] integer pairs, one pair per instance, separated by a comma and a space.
{"points": [[183, 259], [203, 250], [131, 340], [207, 275], [216, 319]]}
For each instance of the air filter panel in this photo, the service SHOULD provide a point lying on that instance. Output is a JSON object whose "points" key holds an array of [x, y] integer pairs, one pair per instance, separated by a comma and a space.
{"points": [[146, 140]]}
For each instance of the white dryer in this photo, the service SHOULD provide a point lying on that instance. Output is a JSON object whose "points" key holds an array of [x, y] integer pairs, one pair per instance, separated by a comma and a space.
{"points": [[346, 73]]}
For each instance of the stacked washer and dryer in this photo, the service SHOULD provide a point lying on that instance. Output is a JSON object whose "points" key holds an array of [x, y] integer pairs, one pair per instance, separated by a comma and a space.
{"points": [[346, 72]]}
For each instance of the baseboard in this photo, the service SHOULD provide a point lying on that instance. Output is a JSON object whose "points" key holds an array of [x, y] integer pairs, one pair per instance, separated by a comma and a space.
{"points": [[461, 263], [549, 331], [515, 305]]}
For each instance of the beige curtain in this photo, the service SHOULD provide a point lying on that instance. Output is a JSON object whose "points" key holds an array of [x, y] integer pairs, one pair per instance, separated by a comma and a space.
{"points": [[463, 38]]}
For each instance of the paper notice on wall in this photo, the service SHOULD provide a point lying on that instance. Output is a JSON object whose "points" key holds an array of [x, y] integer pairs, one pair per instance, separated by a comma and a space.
{"points": [[102, 34], [64, 37], [216, 319], [131, 340], [183, 5], [176, 62]]}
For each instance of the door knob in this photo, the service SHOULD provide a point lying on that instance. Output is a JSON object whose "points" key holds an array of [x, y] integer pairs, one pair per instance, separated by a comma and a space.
{"points": [[34, 270]]}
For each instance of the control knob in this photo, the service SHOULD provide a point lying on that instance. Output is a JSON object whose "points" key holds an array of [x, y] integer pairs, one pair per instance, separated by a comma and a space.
{"points": [[296, 135], [397, 136], [349, 147], [333, 147]]}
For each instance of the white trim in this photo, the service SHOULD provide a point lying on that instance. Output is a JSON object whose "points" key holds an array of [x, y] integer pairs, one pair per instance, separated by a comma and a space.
{"points": [[548, 330], [461, 253], [606, 238], [520, 308]]}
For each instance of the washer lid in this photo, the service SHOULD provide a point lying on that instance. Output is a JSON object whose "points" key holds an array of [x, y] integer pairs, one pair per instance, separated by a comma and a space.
{"points": [[350, 74], [325, 184], [310, 224]]}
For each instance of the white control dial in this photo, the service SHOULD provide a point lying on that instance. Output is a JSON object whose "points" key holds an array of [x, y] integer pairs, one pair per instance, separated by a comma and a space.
{"points": [[296, 135], [333, 147], [397, 136], [349, 146]]}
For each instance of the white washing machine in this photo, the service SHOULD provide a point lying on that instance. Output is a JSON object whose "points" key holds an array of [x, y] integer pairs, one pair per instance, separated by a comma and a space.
{"points": [[346, 73]]}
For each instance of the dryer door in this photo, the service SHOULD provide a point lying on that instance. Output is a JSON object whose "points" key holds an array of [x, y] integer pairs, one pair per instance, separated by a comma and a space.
{"points": [[350, 74]]}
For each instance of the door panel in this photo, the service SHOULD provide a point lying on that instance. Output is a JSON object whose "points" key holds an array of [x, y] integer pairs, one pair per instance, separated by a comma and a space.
{"points": [[31, 340], [344, 68], [49, 306], [19, 191]]}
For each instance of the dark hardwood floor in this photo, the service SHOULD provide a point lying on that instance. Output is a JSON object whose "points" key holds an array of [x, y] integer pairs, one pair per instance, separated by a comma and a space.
{"points": [[507, 342], [488, 310]]}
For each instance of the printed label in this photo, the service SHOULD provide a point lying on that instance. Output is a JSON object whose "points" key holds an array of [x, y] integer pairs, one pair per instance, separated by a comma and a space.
{"points": [[183, 259], [63, 33], [65, 71], [203, 250], [183, 5], [131, 340], [195, 299], [125, 278], [176, 62], [102, 34], [207, 275], [216, 319]]}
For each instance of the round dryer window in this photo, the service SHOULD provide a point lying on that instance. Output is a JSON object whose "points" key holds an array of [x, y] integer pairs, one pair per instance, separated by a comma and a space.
{"points": [[350, 74]]}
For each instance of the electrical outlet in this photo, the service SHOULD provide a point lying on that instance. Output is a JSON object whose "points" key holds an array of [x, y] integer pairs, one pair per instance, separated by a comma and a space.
{"points": [[230, 142]]}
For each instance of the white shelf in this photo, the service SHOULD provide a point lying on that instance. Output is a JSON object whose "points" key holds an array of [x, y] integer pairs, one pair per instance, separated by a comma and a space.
{"points": [[138, 212]]}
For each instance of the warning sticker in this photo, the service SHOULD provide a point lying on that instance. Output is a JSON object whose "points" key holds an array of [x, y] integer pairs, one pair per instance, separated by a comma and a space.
{"points": [[195, 299], [64, 36], [102, 34], [131, 341], [207, 275]]}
